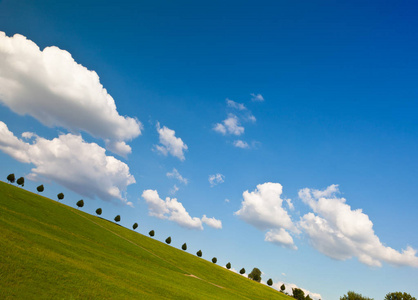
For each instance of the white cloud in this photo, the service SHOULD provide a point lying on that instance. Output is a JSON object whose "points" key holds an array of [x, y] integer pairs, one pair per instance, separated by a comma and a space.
{"points": [[230, 125], [174, 190], [175, 174], [263, 209], [52, 87], [212, 222], [290, 286], [170, 143], [174, 211], [257, 97], [241, 144], [236, 105], [341, 233], [68, 160], [216, 179]]}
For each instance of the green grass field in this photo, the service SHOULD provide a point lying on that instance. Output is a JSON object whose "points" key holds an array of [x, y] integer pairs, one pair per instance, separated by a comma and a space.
{"points": [[53, 251]]}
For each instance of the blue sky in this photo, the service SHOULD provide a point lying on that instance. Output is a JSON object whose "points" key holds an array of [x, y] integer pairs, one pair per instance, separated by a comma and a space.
{"points": [[306, 110]]}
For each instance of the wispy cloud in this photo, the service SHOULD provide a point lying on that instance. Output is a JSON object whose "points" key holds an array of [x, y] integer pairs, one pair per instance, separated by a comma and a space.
{"points": [[175, 174], [257, 97], [241, 144], [216, 179], [230, 125], [236, 105]]}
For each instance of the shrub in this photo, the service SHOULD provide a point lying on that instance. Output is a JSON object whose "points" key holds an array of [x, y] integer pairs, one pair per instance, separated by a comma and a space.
{"points": [[214, 260], [298, 294], [21, 181], [228, 265], [99, 211], [117, 218], [168, 240], [40, 188], [60, 196], [184, 247], [135, 226], [282, 288], [399, 296], [270, 282], [11, 178], [199, 253], [255, 275], [80, 203], [242, 271], [151, 233], [354, 296]]}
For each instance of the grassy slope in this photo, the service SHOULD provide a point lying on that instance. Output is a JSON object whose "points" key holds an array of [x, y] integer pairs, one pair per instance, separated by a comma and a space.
{"points": [[50, 250]]}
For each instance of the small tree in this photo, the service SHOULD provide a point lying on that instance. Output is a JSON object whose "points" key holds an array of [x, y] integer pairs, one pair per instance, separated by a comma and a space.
{"points": [[242, 271], [199, 253], [228, 265], [399, 296], [282, 288], [184, 247], [21, 181], [40, 188], [270, 282], [11, 178], [255, 275], [151, 233], [214, 260], [135, 226], [80, 203], [99, 211], [168, 240], [117, 218], [60, 196], [308, 297], [298, 294], [354, 296]]}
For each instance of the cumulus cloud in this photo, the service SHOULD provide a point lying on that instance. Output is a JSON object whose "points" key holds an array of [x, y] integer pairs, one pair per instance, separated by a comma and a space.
{"points": [[175, 174], [263, 208], [174, 211], [236, 105], [241, 144], [290, 286], [216, 179], [341, 233], [52, 87], [169, 143], [257, 97], [230, 125], [70, 161]]}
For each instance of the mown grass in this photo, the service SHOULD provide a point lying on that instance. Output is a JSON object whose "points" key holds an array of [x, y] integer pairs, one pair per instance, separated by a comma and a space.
{"points": [[52, 251]]}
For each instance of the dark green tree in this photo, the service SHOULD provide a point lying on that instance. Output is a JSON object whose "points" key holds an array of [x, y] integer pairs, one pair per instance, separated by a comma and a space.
{"points": [[135, 226], [11, 178], [228, 266], [117, 218], [151, 233], [60, 196], [168, 240], [308, 297], [99, 211], [255, 275], [242, 271], [21, 181], [399, 296], [40, 188], [282, 288], [80, 203], [199, 253], [214, 260], [354, 296], [298, 294], [184, 247], [270, 282]]}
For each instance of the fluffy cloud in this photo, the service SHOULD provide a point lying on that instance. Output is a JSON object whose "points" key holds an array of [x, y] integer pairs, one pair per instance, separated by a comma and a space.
{"points": [[230, 125], [339, 232], [290, 286], [236, 105], [174, 211], [70, 161], [257, 97], [53, 88], [241, 144], [263, 209], [216, 179], [169, 143], [175, 174]]}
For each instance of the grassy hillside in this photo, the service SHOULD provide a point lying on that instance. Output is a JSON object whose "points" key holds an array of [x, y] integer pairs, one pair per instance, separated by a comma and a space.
{"points": [[50, 250]]}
